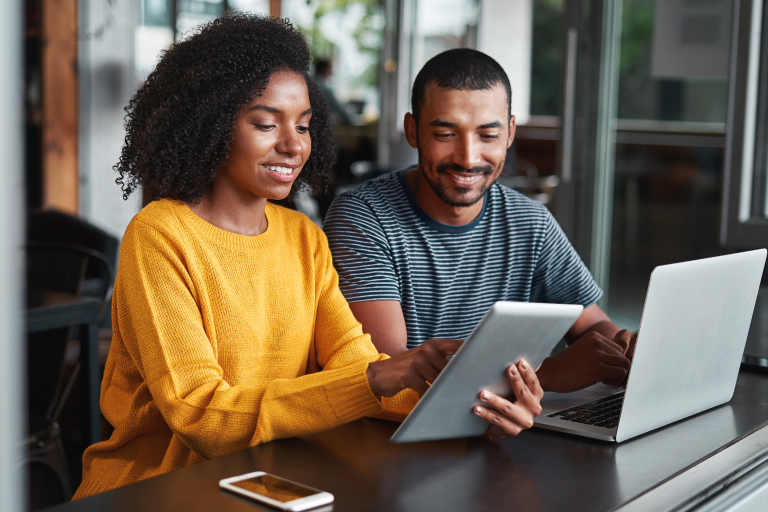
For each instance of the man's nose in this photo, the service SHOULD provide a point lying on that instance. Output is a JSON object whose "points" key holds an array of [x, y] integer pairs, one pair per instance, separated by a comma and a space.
{"points": [[467, 153]]}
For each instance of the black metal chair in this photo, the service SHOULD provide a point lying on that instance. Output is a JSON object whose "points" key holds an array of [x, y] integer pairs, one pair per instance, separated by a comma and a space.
{"points": [[61, 268], [58, 227]]}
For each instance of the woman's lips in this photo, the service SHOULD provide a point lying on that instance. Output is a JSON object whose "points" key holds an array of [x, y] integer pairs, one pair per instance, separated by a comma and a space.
{"points": [[281, 173]]}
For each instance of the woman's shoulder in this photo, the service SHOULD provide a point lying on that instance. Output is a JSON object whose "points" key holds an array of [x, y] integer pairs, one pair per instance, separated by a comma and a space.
{"points": [[163, 216]]}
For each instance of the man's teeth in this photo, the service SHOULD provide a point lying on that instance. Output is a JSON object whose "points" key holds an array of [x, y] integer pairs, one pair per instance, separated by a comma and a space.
{"points": [[281, 170], [466, 178]]}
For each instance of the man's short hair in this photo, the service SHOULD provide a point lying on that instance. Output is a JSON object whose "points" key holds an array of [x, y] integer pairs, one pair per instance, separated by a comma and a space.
{"points": [[461, 69]]}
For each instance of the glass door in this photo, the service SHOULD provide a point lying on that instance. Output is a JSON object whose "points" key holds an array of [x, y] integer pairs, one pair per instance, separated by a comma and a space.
{"points": [[644, 103]]}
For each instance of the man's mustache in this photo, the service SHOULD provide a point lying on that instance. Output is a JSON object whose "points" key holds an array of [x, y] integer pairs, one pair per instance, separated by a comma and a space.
{"points": [[478, 169]]}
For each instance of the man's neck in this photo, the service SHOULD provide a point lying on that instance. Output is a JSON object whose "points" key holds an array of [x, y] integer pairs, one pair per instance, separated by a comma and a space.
{"points": [[435, 207]]}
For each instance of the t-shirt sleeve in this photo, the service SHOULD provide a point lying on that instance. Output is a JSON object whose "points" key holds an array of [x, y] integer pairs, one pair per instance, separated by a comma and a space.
{"points": [[560, 276], [361, 251]]}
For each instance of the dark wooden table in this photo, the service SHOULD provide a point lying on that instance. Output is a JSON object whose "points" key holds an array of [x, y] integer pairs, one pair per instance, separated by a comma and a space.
{"points": [[48, 310], [537, 471]]}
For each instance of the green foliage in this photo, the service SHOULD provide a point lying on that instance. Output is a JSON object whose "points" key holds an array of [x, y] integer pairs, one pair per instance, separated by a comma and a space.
{"points": [[546, 58], [367, 34]]}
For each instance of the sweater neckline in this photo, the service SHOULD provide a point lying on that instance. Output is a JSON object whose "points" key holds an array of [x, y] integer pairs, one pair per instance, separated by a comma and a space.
{"points": [[231, 241]]}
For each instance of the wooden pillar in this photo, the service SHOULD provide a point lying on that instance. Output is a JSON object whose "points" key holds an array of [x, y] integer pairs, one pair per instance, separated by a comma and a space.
{"points": [[274, 8], [59, 105]]}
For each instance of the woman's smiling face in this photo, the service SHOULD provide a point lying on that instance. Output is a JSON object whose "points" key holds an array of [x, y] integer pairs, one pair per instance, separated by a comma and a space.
{"points": [[271, 141]]}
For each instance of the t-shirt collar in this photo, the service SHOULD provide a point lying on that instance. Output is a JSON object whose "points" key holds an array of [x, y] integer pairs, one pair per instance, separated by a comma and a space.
{"points": [[439, 226]]}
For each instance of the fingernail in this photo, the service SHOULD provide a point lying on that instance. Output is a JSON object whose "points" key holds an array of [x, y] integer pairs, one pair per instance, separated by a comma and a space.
{"points": [[485, 396], [513, 370], [479, 411], [523, 364]]}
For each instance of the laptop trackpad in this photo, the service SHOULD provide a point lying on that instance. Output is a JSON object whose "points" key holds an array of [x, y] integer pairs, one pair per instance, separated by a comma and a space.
{"points": [[553, 402]]}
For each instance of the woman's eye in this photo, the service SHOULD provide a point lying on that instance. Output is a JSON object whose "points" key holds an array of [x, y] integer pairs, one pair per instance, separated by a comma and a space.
{"points": [[302, 129], [264, 127]]}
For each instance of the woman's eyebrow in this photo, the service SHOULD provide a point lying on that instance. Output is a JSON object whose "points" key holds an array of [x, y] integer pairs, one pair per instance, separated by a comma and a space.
{"points": [[274, 110]]}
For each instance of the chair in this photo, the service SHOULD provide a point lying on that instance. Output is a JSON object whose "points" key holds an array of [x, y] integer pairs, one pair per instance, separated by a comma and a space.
{"points": [[61, 268], [59, 227]]}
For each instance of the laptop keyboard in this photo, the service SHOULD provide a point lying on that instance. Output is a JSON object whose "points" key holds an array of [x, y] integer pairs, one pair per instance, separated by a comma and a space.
{"points": [[603, 412]]}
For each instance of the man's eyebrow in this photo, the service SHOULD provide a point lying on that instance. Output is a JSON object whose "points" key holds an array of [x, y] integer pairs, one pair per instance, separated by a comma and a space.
{"points": [[447, 124], [276, 110], [495, 124], [443, 124]]}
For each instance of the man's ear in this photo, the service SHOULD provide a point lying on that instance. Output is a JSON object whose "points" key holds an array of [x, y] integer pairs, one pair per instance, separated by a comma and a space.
{"points": [[512, 127], [411, 130]]}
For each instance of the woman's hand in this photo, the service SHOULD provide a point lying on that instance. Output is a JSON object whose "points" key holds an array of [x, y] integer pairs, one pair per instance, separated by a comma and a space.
{"points": [[412, 368], [507, 418]]}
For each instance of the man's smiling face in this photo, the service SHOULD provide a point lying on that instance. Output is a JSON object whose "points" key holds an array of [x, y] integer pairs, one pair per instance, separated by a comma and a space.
{"points": [[462, 138]]}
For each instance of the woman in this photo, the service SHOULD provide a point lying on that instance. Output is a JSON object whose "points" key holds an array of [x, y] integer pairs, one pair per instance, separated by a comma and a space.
{"points": [[229, 327]]}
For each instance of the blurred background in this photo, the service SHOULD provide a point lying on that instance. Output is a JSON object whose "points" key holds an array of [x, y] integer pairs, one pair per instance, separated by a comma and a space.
{"points": [[641, 126]]}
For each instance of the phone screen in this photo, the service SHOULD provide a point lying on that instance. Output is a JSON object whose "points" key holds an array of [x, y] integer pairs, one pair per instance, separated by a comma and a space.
{"points": [[275, 488]]}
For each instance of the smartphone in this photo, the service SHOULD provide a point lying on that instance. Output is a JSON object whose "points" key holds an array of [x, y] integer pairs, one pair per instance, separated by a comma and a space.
{"points": [[277, 492]]}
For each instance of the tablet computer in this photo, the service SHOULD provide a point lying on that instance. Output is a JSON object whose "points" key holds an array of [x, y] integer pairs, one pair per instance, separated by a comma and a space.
{"points": [[510, 331]]}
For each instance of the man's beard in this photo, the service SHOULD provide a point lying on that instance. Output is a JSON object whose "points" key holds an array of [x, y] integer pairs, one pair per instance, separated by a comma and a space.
{"points": [[443, 192]]}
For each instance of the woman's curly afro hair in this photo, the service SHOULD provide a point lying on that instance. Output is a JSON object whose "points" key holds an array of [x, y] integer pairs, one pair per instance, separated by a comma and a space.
{"points": [[181, 122]]}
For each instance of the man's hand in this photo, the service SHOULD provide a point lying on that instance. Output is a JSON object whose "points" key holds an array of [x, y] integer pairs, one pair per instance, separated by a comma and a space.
{"points": [[411, 369], [591, 359], [507, 418]]}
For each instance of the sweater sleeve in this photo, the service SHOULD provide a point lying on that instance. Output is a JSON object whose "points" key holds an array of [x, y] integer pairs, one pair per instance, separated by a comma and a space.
{"points": [[162, 326], [337, 324]]}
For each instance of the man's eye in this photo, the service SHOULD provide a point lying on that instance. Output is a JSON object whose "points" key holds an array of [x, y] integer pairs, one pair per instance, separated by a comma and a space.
{"points": [[490, 137], [443, 135]]}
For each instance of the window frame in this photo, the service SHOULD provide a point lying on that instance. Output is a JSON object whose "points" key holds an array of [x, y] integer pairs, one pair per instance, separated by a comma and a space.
{"points": [[740, 227]]}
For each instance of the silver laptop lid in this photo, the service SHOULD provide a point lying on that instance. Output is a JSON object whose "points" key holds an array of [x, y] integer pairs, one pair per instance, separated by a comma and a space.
{"points": [[691, 339]]}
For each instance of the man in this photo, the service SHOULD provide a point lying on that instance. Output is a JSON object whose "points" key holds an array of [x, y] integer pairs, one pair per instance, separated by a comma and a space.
{"points": [[423, 253]]}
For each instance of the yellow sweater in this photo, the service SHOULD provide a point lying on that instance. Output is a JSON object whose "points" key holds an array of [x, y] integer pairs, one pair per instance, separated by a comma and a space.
{"points": [[224, 341]]}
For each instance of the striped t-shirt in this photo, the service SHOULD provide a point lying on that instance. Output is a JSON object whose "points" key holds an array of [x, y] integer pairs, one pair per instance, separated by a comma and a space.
{"points": [[385, 247]]}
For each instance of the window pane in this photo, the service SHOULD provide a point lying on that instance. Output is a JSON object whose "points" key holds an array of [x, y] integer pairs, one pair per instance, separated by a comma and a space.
{"points": [[674, 60], [194, 12]]}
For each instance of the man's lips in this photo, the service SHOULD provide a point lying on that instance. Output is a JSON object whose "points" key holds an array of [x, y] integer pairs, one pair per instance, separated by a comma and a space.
{"points": [[464, 179]]}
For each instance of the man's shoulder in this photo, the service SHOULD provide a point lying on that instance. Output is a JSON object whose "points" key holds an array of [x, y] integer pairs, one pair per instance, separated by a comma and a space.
{"points": [[511, 204], [384, 187], [381, 196]]}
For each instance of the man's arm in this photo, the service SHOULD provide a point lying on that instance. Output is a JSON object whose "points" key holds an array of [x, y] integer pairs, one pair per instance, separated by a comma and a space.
{"points": [[384, 321], [598, 351]]}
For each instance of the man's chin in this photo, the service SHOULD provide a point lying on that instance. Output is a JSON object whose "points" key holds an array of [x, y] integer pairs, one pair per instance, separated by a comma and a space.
{"points": [[461, 198]]}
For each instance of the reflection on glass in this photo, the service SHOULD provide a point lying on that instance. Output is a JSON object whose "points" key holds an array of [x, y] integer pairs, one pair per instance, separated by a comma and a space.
{"points": [[670, 143], [194, 12], [442, 25], [257, 6], [346, 37], [760, 173], [154, 34], [674, 63], [547, 57]]}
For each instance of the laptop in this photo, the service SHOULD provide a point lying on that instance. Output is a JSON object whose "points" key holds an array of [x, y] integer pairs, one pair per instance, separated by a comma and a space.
{"points": [[689, 348], [508, 332]]}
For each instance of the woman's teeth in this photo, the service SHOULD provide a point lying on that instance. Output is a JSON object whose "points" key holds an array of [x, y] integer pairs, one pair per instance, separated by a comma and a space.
{"points": [[281, 170]]}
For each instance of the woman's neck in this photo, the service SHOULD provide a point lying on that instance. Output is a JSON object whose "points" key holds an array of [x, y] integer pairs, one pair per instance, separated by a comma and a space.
{"points": [[241, 213]]}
